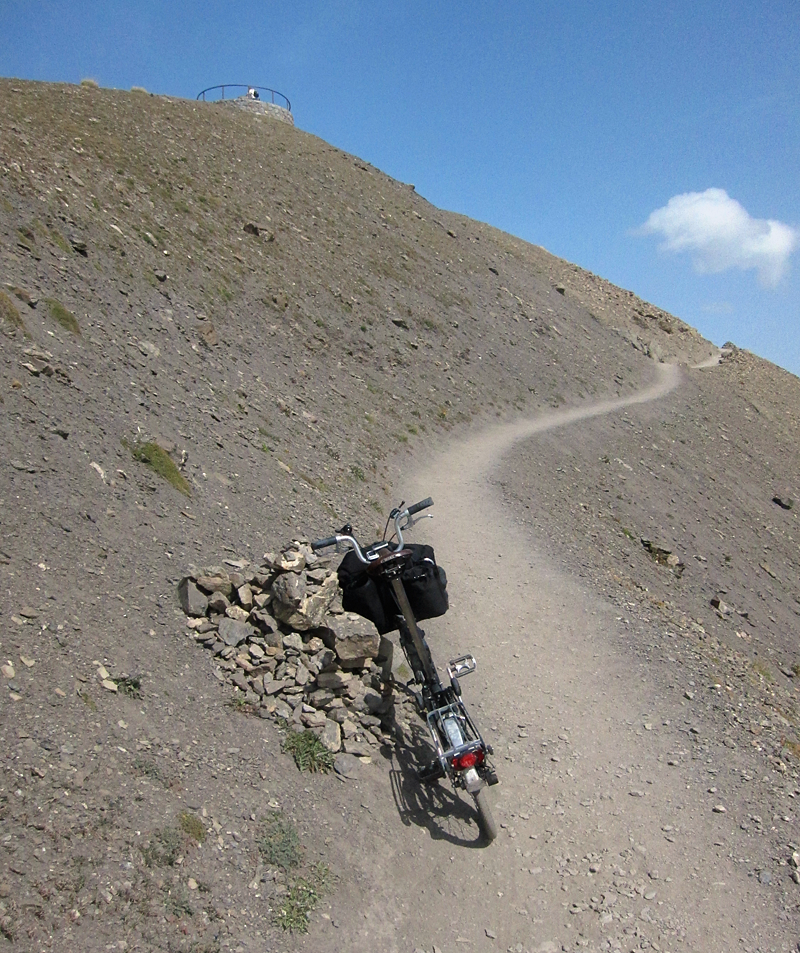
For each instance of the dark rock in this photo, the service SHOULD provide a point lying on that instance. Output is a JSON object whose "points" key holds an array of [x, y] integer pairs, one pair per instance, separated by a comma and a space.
{"points": [[348, 766], [233, 633], [289, 590], [215, 581], [193, 602], [218, 602]]}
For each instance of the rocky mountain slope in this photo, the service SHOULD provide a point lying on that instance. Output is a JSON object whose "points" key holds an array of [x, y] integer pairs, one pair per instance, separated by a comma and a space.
{"points": [[220, 333]]}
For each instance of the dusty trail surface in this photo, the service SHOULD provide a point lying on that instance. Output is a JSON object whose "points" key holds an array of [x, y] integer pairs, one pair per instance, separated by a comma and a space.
{"points": [[613, 835]]}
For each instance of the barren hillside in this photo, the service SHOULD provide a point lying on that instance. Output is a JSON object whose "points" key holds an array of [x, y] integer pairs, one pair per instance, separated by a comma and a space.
{"points": [[290, 326]]}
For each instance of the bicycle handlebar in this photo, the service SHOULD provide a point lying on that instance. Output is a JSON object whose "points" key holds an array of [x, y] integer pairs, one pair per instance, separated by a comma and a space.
{"points": [[322, 543], [397, 515], [422, 505]]}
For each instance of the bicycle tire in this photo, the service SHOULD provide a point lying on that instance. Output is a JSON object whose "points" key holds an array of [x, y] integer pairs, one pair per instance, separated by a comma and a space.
{"points": [[485, 817]]}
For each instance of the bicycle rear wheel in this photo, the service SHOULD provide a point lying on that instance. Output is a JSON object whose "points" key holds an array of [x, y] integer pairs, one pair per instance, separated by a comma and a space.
{"points": [[485, 817]]}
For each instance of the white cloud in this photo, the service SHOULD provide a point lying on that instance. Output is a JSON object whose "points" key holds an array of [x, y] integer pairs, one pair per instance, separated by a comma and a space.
{"points": [[720, 234]]}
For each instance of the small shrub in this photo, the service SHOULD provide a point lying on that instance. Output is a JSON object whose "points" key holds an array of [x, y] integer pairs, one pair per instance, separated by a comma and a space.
{"points": [[193, 826], [138, 89], [164, 848], [150, 769], [161, 462], [278, 842], [309, 753], [130, 685], [358, 473], [303, 896], [9, 313], [91, 83], [65, 318], [178, 903]]}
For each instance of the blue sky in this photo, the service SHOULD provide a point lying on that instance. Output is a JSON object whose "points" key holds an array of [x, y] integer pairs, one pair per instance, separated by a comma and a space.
{"points": [[655, 143]]}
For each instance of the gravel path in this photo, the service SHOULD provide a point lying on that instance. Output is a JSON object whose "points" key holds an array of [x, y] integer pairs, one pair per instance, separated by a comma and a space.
{"points": [[615, 833]]}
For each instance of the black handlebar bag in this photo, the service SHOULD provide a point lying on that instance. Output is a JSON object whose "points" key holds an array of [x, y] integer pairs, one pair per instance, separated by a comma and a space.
{"points": [[424, 581]]}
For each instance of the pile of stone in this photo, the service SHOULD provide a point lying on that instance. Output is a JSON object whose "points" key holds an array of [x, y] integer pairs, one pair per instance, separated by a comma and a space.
{"points": [[281, 638]]}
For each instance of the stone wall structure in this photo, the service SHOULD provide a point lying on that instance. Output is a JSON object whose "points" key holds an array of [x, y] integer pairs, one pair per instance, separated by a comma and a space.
{"points": [[260, 108], [282, 640]]}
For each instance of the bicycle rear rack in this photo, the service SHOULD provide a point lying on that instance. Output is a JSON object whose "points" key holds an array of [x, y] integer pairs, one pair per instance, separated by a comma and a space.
{"points": [[453, 723]]}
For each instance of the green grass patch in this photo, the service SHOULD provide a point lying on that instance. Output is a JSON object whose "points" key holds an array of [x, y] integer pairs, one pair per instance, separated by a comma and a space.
{"points": [[62, 315], [26, 238], [193, 826], [309, 753], [130, 685], [87, 700], [160, 462], [238, 702], [295, 907], [9, 313], [278, 843], [358, 473], [763, 672], [793, 747], [59, 240]]}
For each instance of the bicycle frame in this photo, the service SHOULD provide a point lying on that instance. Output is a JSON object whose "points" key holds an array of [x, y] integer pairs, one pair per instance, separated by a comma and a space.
{"points": [[461, 752], [459, 745]]}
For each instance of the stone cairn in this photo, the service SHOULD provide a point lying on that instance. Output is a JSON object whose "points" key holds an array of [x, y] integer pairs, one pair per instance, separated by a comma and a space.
{"points": [[281, 638]]}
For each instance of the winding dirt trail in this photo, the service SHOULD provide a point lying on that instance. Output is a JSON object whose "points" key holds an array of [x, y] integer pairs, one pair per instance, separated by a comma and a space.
{"points": [[609, 839]]}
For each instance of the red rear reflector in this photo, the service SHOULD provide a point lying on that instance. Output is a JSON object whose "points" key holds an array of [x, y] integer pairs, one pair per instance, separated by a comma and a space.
{"points": [[468, 760]]}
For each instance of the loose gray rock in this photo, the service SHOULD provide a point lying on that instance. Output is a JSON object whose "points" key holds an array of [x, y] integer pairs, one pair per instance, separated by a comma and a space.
{"points": [[354, 638], [233, 633], [218, 602], [298, 608], [215, 580], [331, 736], [348, 766], [193, 602]]}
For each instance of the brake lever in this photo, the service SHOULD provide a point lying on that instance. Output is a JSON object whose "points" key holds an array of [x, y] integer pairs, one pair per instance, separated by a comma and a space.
{"points": [[412, 521]]}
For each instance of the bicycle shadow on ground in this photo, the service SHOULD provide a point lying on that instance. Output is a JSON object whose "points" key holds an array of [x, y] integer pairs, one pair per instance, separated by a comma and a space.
{"points": [[437, 807]]}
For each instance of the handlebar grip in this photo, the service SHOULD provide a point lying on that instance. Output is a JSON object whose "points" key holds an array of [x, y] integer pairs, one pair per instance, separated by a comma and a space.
{"points": [[422, 505], [322, 543]]}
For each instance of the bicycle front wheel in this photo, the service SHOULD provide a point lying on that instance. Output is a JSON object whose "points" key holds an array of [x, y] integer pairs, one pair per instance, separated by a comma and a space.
{"points": [[485, 817]]}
